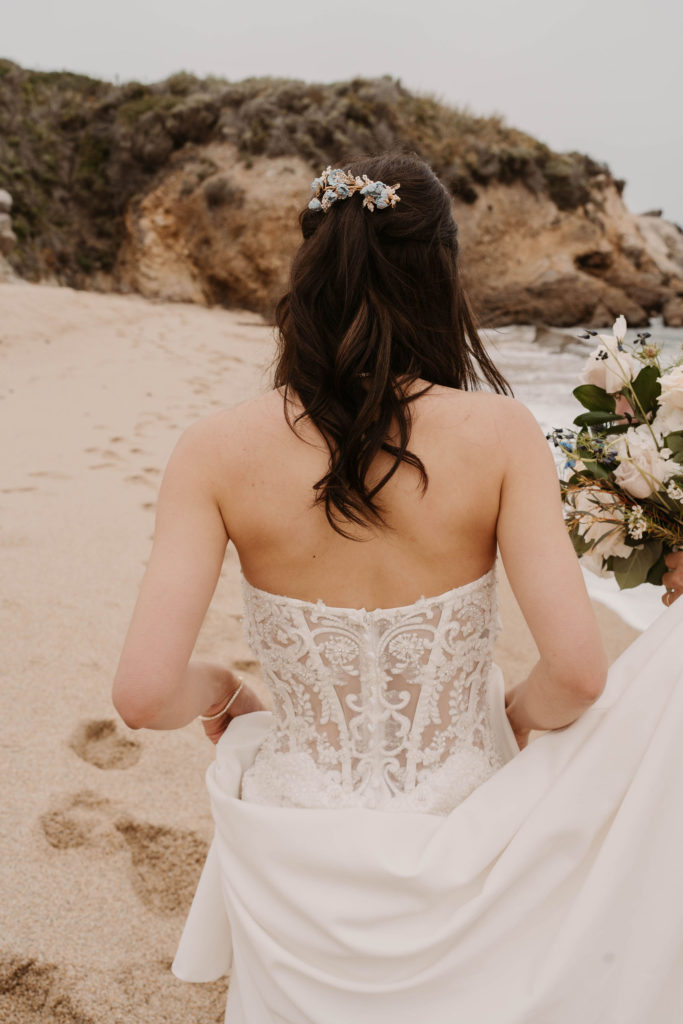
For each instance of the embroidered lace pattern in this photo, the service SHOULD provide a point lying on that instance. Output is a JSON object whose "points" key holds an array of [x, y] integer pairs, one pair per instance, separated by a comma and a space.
{"points": [[385, 709]]}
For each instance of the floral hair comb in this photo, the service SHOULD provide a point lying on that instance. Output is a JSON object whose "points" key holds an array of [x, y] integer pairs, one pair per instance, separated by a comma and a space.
{"points": [[335, 184]]}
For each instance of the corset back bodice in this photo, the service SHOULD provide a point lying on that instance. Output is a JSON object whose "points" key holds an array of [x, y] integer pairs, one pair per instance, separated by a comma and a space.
{"points": [[388, 709]]}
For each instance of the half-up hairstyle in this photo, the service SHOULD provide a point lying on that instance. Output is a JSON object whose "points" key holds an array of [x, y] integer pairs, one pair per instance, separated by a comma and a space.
{"points": [[375, 303]]}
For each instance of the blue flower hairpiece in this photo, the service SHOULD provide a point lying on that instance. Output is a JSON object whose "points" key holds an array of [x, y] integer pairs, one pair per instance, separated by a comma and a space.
{"points": [[335, 184]]}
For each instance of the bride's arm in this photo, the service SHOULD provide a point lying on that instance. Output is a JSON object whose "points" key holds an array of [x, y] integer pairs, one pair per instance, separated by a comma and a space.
{"points": [[544, 573], [155, 686]]}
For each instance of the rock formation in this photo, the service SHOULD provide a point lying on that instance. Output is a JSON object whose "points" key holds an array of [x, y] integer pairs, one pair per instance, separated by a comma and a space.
{"points": [[530, 262], [8, 239], [209, 236], [190, 190], [664, 243], [208, 232]]}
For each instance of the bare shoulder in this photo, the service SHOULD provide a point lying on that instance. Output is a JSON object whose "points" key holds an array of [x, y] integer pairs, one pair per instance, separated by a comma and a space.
{"points": [[500, 418], [235, 421], [229, 435], [500, 408]]}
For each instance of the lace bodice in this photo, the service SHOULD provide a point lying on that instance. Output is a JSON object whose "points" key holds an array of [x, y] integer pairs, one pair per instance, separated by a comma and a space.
{"points": [[387, 709]]}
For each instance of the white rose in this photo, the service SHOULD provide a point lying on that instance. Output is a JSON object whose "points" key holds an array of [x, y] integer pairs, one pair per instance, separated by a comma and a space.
{"points": [[643, 467], [670, 413], [672, 387], [667, 420], [609, 367], [619, 328], [602, 522]]}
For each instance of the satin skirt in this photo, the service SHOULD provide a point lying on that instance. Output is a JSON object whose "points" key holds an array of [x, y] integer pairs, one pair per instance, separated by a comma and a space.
{"points": [[552, 895]]}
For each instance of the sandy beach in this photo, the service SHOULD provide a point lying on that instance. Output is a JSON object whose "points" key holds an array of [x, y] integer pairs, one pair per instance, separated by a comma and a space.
{"points": [[104, 830]]}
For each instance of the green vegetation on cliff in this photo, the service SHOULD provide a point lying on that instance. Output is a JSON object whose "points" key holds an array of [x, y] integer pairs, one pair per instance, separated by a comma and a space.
{"points": [[75, 151]]}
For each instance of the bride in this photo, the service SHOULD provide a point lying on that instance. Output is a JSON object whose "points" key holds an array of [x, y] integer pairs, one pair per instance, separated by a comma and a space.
{"points": [[388, 848]]}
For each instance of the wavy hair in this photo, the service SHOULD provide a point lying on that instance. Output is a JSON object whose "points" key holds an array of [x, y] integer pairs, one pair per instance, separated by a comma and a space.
{"points": [[375, 304]]}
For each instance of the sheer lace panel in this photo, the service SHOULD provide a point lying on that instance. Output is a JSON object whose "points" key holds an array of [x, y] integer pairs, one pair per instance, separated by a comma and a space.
{"points": [[385, 709]]}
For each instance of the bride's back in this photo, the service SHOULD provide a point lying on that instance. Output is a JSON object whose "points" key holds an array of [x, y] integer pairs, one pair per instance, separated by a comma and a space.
{"points": [[375, 473], [433, 539], [371, 475]]}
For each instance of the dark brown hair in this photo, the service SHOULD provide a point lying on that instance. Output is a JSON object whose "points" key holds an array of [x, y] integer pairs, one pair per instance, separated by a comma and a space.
{"points": [[375, 303]]}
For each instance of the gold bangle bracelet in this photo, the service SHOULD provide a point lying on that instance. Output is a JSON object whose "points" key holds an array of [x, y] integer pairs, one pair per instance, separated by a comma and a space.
{"points": [[219, 714]]}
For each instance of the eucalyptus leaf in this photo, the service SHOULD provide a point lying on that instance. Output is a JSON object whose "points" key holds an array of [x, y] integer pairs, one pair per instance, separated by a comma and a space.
{"points": [[632, 571], [597, 470], [647, 388], [619, 428], [594, 419], [581, 546], [656, 572], [675, 443], [594, 398]]}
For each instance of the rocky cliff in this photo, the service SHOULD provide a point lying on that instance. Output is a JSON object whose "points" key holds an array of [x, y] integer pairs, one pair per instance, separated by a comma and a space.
{"points": [[8, 239], [189, 189]]}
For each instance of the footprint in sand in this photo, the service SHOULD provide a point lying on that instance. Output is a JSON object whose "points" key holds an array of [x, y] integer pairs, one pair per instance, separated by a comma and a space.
{"points": [[165, 863], [36, 992], [149, 983], [100, 743], [81, 820], [137, 479]]}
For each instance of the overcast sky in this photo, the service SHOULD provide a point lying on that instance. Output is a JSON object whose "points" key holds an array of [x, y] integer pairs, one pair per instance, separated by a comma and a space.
{"points": [[600, 76]]}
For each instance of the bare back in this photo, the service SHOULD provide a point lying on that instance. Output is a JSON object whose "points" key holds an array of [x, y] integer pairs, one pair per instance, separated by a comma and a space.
{"points": [[244, 474], [439, 539]]}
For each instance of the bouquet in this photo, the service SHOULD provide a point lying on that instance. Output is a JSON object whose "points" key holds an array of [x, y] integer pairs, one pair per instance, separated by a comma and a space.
{"points": [[622, 472]]}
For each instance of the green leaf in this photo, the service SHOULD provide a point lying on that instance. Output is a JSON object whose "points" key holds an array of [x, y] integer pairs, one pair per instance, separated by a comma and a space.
{"points": [[632, 571], [656, 572], [619, 428], [580, 545], [596, 470], [675, 443], [647, 388], [594, 419], [592, 469], [594, 398]]}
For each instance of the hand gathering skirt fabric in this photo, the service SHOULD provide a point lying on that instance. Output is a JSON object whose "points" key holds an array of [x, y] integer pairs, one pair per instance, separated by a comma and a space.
{"points": [[551, 895]]}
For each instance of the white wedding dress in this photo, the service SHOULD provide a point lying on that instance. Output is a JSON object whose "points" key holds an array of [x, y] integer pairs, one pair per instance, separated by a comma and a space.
{"points": [[384, 854]]}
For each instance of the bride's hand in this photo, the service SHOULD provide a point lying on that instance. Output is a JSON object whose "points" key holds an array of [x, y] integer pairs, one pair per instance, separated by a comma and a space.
{"points": [[673, 579], [521, 735], [245, 702], [522, 738]]}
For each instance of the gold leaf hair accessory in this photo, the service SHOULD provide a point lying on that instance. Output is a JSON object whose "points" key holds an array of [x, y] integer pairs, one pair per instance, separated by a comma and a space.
{"points": [[335, 184]]}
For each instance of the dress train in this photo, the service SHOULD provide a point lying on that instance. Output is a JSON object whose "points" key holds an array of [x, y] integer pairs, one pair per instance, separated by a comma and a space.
{"points": [[551, 895]]}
